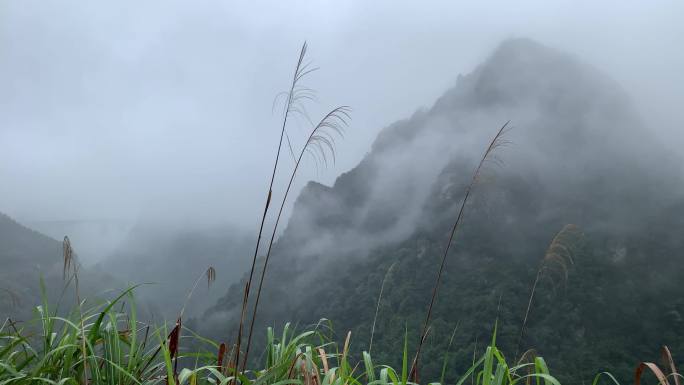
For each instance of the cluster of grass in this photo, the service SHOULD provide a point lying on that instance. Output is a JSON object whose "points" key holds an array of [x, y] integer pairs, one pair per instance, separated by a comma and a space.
{"points": [[107, 344]]}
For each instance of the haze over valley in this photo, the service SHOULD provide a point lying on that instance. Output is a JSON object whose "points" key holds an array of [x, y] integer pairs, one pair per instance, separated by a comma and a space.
{"points": [[447, 180]]}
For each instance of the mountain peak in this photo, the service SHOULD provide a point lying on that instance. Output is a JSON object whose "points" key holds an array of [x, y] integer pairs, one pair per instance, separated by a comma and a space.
{"points": [[522, 70], [578, 156], [522, 46]]}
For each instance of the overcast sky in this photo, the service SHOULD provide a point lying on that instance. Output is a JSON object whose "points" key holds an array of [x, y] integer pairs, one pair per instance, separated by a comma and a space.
{"points": [[163, 108]]}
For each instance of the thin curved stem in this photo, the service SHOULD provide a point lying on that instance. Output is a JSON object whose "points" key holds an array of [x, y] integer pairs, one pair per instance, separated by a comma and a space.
{"points": [[496, 142], [332, 120], [298, 74]]}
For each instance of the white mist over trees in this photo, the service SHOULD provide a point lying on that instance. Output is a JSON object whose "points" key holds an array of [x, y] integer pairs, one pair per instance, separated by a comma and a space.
{"points": [[579, 154]]}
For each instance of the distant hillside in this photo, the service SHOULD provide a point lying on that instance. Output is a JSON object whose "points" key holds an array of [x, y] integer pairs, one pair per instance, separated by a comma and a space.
{"points": [[25, 256], [96, 239], [579, 154], [171, 258]]}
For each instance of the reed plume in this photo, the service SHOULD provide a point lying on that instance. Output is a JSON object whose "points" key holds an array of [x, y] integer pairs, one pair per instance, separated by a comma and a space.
{"points": [[558, 257], [67, 256], [377, 306], [68, 259], [496, 142], [320, 142], [211, 276], [293, 105]]}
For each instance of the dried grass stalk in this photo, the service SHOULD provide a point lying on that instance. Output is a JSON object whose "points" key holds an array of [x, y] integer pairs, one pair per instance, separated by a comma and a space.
{"points": [[496, 142]]}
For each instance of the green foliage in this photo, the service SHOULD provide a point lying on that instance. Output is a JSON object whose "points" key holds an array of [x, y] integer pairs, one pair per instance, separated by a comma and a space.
{"points": [[609, 313], [119, 349]]}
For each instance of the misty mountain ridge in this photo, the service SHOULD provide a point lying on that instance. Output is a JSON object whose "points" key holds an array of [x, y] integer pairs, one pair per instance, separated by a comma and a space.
{"points": [[165, 257], [28, 256], [96, 239], [175, 254], [567, 118], [579, 154]]}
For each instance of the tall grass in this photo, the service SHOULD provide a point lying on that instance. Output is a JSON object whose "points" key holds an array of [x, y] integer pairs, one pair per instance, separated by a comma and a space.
{"points": [[377, 306], [320, 144], [293, 104], [113, 347], [557, 258], [496, 142]]}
